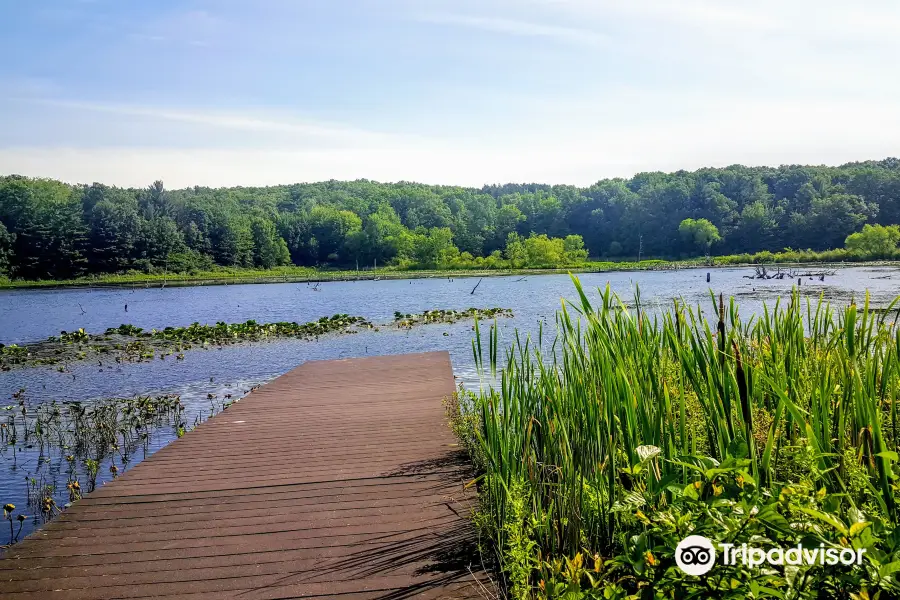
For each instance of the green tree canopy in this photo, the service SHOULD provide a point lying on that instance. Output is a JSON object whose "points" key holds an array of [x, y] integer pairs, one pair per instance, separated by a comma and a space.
{"points": [[700, 232], [269, 248], [874, 240], [573, 248], [7, 240], [59, 230]]}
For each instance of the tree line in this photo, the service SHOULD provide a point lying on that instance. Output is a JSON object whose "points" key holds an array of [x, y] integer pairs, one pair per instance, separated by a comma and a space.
{"points": [[53, 230]]}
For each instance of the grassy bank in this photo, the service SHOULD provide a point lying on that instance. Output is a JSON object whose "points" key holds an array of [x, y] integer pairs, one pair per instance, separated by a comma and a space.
{"points": [[234, 276], [599, 453], [305, 274]]}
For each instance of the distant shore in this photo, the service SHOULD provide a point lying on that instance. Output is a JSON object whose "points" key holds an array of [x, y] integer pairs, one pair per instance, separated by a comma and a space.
{"points": [[309, 275]]}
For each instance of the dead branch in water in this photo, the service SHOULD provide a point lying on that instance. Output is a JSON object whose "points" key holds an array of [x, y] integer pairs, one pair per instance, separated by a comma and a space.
{"points": [[763, 273]]}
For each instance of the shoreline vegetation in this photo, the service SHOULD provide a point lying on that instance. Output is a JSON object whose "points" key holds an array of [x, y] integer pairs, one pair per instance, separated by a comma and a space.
{"points": [[607, 444], [293, 274], [51, 231]]}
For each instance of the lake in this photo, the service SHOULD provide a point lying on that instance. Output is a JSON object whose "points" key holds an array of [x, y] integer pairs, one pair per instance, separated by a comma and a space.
{"points": [[33, 315]]}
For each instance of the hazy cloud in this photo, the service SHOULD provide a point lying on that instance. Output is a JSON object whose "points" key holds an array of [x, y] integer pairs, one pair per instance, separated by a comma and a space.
{"points": [[602, 88], [516, 27], [193, 27], [235, 121]]}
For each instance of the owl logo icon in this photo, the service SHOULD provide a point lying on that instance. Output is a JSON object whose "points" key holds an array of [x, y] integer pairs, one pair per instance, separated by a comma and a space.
{"points": [[695, 555]]}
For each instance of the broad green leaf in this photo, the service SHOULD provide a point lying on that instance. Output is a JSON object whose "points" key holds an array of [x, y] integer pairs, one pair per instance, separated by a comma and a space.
{"points": [[857, 528], [826, 518], [738, 448], [646, 453]]}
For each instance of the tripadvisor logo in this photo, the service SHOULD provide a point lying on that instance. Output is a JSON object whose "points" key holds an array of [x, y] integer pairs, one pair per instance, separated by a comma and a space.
{"points": [[696, 555]]}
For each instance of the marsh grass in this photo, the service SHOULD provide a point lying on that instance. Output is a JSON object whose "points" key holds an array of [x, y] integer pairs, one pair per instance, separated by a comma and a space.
{"points": [[631, 431]]}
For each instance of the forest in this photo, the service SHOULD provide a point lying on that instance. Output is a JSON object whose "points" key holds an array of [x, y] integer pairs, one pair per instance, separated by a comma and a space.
{"points": [[53, 230]]}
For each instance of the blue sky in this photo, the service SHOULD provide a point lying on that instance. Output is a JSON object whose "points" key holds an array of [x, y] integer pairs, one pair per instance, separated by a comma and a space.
{"points": [[251, 92]]}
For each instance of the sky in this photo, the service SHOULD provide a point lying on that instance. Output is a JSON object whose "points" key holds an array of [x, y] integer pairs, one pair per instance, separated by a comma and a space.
{"points": [[461, 92]]}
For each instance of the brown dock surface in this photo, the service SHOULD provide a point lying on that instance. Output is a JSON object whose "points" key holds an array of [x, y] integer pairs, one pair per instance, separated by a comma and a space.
{"points": [[339, 479]]}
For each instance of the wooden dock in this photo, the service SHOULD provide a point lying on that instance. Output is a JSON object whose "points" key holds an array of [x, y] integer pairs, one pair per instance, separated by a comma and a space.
{"points": [[338, 479]]}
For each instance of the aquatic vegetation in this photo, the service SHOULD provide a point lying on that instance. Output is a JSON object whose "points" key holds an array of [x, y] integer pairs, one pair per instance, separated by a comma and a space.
{"points": [[251, 330], [74, 489], [599, 453], [8, 515], [13, 350], [429, 317], [128, 343], [74, 337], [74, 441]]}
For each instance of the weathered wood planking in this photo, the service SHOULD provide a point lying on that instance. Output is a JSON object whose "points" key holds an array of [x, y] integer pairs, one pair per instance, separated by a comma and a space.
{"points": [[339, 478]]}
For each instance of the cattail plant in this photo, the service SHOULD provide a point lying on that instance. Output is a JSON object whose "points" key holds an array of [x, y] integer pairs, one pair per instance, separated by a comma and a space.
{"points": [[625, 404]]}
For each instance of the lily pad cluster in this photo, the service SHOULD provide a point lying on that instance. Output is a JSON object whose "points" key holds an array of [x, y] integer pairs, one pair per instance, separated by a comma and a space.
{"points": [[250, 330], [13, 351], [129, 343], [429, 317], [72, 337]]}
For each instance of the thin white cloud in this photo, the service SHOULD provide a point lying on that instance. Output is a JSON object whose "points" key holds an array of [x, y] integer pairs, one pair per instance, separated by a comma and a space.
{"points": [[519, 28], [875, 21], [695, 13], [676, 85], [28, 86], [192, 27], [717, 133], [238, 121], [143, 37], [817, 47]]}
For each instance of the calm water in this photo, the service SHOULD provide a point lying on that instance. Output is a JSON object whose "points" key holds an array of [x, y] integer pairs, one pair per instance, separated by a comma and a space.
{"points": [[31, 315]]}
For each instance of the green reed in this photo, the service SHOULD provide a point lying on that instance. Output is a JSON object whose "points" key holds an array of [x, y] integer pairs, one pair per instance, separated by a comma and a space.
{"points": [[626, 407]]}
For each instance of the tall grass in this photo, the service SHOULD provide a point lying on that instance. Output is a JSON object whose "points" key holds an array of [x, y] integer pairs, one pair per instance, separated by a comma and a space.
{"points": [[626, 408]]}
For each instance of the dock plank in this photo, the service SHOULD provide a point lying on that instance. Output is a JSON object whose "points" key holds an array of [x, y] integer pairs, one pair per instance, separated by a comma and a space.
{"points": [[339, 478]]}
